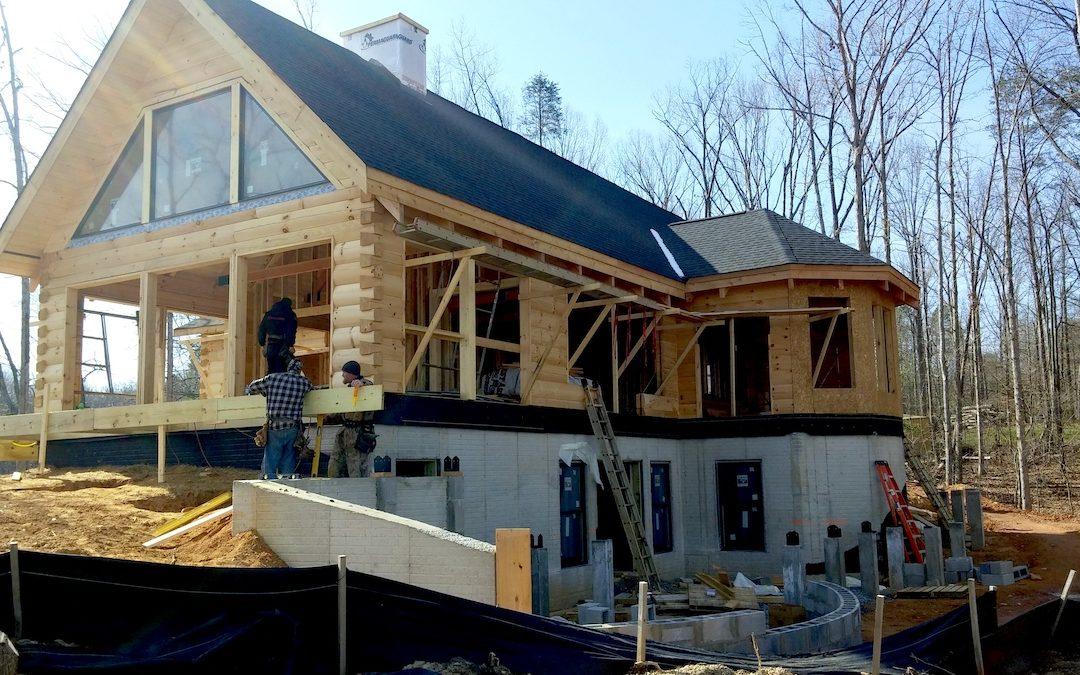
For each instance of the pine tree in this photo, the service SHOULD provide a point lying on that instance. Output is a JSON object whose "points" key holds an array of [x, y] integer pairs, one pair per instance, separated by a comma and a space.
{"points": [[542, 121]]}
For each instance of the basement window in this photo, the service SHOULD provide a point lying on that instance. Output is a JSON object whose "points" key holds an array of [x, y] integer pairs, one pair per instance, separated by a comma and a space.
{"points": [[830, 351], [416, 468], [573, 528]]}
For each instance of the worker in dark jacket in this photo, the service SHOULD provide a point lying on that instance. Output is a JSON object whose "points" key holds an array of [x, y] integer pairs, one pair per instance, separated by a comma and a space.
{"points": [[356, 439], [277, 334]]}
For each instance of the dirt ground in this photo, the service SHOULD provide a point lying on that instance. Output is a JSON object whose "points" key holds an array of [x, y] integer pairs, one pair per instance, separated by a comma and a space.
{"points": [[110, 512], [1049, 544]]}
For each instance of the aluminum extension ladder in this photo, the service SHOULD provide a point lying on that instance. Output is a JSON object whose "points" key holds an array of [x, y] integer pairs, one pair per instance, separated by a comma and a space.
{"points": [[625, 503], [928, 485], [913, 551]]}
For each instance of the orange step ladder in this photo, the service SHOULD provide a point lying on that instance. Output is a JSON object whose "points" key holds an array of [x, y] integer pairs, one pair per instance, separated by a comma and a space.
{"points": [[901, 514]]}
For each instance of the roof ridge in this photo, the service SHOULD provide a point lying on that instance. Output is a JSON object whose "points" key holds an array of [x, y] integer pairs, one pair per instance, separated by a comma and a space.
{"points": [[774, 220]]}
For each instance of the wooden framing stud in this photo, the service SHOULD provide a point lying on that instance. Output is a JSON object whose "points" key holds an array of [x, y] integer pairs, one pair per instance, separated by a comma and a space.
{"points": [[425, 339], [467, 325], [236, 331]]}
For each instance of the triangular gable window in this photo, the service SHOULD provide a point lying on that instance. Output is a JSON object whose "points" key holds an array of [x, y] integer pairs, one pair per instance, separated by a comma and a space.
{"points": [[119, 203], [269, 161]]}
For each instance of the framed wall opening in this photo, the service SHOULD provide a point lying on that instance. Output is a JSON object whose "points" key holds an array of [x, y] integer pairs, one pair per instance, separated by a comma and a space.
{"points": [[608, 525], [735, 360]]}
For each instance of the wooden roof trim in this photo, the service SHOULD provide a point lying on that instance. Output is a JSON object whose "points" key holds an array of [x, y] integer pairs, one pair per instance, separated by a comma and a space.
{"points": [[382, 184], [70, 121], [870, 273]]}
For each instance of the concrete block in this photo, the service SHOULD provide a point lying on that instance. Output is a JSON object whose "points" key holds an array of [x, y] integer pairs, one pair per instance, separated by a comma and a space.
{"points": [[868, 563], [794, 575], [603, 580], [956, 498], [914, 575], [894, 542], [1020, 572], [997, 579], [650, 612], [973, 503], [935, 562], [957, 544], [386, 494], [952, 577], [834, 561], [996, 567], [959, 564], [593, 613]]}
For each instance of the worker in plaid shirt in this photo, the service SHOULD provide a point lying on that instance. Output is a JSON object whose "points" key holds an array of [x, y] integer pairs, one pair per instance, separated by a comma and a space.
{"points": [[284, 394]]}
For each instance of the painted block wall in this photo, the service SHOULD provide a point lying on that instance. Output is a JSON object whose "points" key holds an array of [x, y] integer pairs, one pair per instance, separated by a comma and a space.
{"points": [[307, 529]]}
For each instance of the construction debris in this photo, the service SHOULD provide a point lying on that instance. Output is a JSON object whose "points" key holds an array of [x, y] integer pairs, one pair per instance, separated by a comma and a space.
{"points": [[223, 499], [458, 666], [213, 515]]}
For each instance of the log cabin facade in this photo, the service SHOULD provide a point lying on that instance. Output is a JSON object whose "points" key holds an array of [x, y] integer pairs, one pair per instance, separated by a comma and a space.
{"points": [[220, 157]]}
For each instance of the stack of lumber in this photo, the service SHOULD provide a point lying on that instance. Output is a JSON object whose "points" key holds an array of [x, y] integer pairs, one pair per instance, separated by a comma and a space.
{"points": [[715, 590]]}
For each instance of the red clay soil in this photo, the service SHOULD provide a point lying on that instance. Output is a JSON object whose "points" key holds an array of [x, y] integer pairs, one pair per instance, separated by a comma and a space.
{"points": [[1048, 544]]}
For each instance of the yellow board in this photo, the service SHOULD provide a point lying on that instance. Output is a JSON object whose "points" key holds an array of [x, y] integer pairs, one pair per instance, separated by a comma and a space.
{"points": [[16, 451], [223, 499]]}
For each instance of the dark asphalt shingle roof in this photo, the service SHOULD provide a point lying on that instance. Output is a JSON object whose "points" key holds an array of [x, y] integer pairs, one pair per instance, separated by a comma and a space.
{"points": [[432, 142], [755, 239]]}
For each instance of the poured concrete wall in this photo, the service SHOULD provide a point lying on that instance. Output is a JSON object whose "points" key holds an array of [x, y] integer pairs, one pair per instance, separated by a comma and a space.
{"points": [[809, 482], [307, 529]]}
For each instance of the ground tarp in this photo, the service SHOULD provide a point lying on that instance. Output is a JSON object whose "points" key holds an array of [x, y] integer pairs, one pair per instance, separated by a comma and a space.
{"points": [[106, 615]]}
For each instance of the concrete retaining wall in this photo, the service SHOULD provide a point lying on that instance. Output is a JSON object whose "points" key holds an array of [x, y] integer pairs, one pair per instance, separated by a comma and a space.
{"points": [[836, 624], [718, 632], [307, 529]]}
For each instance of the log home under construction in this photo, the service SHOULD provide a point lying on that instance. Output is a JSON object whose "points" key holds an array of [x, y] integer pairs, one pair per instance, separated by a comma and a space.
{"points": [[220, 157]]}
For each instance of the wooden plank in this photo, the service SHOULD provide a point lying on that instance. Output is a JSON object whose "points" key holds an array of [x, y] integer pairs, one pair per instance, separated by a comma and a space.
{"points": [[513, 569], [289, 270], [450, 255], [148, 337], [121, 419], [43, 434], [500, 345], [640, 343], [824, 349], [467, 326], [589, 335], [18, 451], [682, 357], [198, 522], [234, 142], [560, 329], [222, 500]]}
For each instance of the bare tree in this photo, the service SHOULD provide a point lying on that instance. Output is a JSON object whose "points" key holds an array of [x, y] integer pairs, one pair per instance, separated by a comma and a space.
{"points": [[652, 168], [305, 11]]}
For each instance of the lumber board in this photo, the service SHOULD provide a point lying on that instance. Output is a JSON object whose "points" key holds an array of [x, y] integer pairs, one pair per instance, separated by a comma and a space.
{"points": [[198, 522], [221, 501], [121, 419]]}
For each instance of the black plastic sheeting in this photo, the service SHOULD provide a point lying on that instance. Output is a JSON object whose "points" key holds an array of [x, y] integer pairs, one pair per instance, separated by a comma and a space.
{"points": [[83, 614]]}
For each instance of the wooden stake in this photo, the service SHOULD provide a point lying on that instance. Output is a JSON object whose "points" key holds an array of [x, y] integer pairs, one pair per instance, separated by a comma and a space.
{"points": [[976, 639], [642, 618], [161, 434], [16, 591], [342, 592], [1064, 599], [879, 613], [43, 437], [318, 442]]}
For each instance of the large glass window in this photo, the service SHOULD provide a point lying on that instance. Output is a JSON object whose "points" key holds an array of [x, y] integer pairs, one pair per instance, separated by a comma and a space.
{"points": [[191, 155], [269, 161], [120, 201]]}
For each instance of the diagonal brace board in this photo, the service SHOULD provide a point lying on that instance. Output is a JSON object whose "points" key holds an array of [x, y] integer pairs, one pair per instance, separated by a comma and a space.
{"points": [[824, 350], [561, 328], [639, 344], [421, 347]]}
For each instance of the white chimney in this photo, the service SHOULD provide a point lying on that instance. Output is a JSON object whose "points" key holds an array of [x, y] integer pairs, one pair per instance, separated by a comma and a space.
{"points": [[398, 43]]}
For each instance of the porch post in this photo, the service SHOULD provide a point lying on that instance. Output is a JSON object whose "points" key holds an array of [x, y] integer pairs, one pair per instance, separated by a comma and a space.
{"points": [[236, 333], [467, 326], [149, 326]]}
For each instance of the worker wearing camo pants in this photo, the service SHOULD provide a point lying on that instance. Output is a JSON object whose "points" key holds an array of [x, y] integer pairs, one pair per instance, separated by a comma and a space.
{"points": [[356, 439]]}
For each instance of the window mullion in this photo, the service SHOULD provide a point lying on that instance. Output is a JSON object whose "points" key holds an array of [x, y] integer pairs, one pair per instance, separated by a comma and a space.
{"points": [[148, 165], [234, 149]]}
